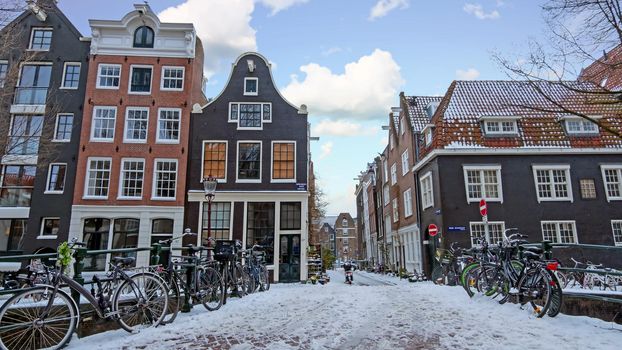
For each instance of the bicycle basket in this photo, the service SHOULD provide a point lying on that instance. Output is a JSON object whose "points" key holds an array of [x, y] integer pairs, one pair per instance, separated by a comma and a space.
{"points": [[443, 256], [224, 250]]}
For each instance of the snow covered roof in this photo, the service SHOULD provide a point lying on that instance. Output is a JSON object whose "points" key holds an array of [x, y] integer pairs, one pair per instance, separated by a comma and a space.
{"points": [[417, 112]]}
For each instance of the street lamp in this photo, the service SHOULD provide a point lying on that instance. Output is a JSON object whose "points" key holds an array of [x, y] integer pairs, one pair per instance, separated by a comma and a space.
{"points": [[209, 188]]}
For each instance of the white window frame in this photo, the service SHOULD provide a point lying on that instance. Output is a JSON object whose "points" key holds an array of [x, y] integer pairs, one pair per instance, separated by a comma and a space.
{"points": [[405, 161], [393, 174], [6, 73], [583, 123], [237, 162], [395, 210], [618, 169], [47, 181], [402, 126], [614, 222], [292, 180], [471, 223], [32, 37], [62, 83], [550, 168], [129, 82], [386, 194], [391, 140], [481, 168], [155, 179], [162, 78], [54, 139], [88, 174], [428, 136], [557, 230], [125, 125], [237, 121], [385, 168], [41, 235], [256, 93], [95, 109], [201, 175], [500, 122], [99, 71], [408, 206], [158, 139], [122, 179], [429, 191]]}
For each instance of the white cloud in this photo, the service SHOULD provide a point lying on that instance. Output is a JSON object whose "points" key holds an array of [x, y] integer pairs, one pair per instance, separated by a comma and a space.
{"points": [[280, 5], [329, 127], [327, 149], [478, 11], [469, 74], [383, 7], [331, 51], [223, 26], [366, 89]]}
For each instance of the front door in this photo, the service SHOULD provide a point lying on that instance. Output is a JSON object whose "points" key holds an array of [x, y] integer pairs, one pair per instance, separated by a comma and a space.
{"points": [[289, 259]]}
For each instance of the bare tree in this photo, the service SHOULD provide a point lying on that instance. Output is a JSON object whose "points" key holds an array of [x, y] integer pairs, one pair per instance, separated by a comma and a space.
{"points": [[317, 209], [579, 34]]}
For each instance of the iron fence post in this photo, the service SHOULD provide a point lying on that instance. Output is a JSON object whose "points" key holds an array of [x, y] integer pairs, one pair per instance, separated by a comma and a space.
{"points": [[156, 250], [547, 247], [79, 255], [187, 306]]}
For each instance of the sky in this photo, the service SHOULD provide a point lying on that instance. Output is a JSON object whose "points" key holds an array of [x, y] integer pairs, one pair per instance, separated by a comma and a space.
{"points": [[347, 60]]}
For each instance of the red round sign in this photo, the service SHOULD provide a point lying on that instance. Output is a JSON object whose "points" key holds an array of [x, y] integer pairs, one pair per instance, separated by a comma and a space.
{"points": [[483, 208], [432, 230]]}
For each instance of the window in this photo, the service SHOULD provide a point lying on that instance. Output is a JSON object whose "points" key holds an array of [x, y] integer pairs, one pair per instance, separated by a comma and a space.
{"points": [[251, 86], [17, 184], [4, 68], [396, 213], [215, 160], [552, 183], [250, 115], [616, 227], [168, 125], [427, 194], [140, 79], [249, 161], [56, 178], [580, 126], [49, 227], [71, 75], [385, 194], [25, 134], [284, 161], [405, 163], [136, 120], [131, 180], [172, 78], [220, 225], [97, 178], [483, 182], [408, 203], [143, 37], [13, 231], [344, 223], [108, 76], [494, 234], [332, 237], [612, 178], [385, 168], [162, 229], [63, 128], [559, 231], [428, 136], [104, 119], [165, 179], [41, 39], [125, 235], [393, 174], [260, 227], [402, 126], [500, 127], [588, 188], [290, 215], [391, 140], [96, 236], [34, 80]]}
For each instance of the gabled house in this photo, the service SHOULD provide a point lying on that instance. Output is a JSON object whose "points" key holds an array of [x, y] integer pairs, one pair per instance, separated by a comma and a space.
{"points": [[347, 242]]}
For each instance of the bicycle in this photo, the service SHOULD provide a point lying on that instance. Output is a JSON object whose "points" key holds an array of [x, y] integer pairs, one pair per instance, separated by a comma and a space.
{"points": [[256, 269], [46, 316]]}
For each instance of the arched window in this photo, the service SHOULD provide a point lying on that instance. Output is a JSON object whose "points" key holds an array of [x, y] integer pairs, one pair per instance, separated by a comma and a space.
{"points": [[143, 37]]}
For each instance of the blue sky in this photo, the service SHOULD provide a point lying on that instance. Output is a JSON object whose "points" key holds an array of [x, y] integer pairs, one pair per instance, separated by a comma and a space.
{"points": [[347, 59]]}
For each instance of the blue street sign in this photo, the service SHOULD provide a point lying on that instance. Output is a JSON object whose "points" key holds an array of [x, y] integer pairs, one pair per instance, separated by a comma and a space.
{"points": [[301, 187], [437, 212], [456, 228]]}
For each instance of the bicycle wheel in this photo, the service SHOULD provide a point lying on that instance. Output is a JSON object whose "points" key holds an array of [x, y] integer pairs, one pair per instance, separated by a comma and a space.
{"points": [[175, 299], [535, 288], [140, 302], [211, 288], [437, 275], [469, 279], [556, 296], [26, 322], [251, 284], [264, 279]]}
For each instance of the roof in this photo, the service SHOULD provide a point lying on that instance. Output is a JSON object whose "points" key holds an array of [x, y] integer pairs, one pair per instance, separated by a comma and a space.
{"points": [[417, 110], [538, 119]]}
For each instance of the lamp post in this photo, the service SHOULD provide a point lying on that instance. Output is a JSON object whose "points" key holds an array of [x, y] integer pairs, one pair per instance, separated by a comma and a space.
{"points": [[209, 187]]}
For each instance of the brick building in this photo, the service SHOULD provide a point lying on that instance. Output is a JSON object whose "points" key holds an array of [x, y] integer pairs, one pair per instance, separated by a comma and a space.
{"points": [[347, 243]]}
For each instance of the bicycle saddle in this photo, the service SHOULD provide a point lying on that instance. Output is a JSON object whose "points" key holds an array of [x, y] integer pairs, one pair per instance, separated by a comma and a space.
{"points": [[123, 260], [535, 250]]}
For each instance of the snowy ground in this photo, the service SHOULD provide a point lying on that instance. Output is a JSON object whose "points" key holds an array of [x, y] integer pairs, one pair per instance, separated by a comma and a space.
{"points": [[377, 312]]}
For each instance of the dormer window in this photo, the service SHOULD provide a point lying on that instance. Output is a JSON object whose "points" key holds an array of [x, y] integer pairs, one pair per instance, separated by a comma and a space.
{"points": [[430, 109], [251, 86], [580, 126], [500, 127], [427, 134], [143, 37]]}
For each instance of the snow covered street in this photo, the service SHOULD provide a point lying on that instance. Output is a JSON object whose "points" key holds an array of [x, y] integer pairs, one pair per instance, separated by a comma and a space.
{"points": [[380, 312]]}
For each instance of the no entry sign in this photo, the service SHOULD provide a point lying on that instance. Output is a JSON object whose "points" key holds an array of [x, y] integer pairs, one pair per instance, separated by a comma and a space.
{"points": [[483, 207], [432, 230]]}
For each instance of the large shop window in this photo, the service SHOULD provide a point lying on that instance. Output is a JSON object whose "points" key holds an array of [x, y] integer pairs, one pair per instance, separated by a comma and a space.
{"points": [[283, 161], [220, 222], [25, 134], [125, 235], [17, 184], [12, 233], [290, 215], [162, 229], [215, 160], [249, 161], [260, 227], [95, 235]]}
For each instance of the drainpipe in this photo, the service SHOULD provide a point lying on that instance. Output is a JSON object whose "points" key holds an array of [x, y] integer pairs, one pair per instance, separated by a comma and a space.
{"points": [[424, 247]]}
